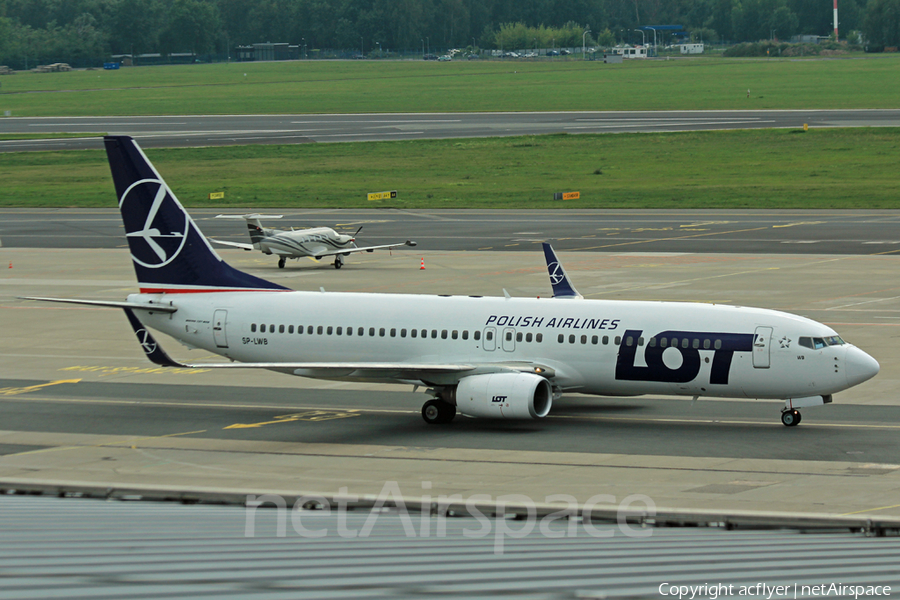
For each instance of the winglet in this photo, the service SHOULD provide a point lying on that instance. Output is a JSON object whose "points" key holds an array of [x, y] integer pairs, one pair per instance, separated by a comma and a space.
{"points": [[562, 288], [151, 347]]}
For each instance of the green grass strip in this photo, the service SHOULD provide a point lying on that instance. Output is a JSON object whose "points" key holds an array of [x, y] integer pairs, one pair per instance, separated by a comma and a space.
{"points": [[296, 87], [828, 168]]}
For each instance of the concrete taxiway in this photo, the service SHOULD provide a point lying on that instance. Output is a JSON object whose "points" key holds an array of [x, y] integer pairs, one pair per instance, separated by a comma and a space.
{"points": [[82, 406]]}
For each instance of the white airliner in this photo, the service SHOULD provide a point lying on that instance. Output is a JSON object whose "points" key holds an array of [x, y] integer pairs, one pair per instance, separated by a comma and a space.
{"points": [[484, 357], [317, 242]]}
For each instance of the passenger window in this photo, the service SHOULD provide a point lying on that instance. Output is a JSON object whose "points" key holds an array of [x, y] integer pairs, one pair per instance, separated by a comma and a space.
{"points": [[594, 339], [434, 334], [339, 331], [271, 329], [584, 339], [371, 332], [476, 335], [640, 341], [618, 340], [424, 333], [281, 329], [454, 334], [253, 328], [684, 343], [290, 329], [509, 336], [349, 331], [706, 344], [489, 335], [663, 342], [393, 332], [629, 342], [539, 337], [695, 344], [560, 338], [381, 332], [528, 337], [519, 336], [361, 331], [605, 340], [465, 334], [262, 328], [329, 330], [718, 345], [652, 342], [444, 334], [413, 332], [571, 338], [319, 330], [403, 333]]}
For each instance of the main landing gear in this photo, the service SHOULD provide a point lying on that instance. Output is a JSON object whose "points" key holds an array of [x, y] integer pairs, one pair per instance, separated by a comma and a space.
{"points": [[438, 412], [338, 261], [281, 262], [790, 418]]}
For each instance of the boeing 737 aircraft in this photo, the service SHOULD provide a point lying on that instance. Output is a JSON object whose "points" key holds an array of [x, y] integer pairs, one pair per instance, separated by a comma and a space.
{"points": [[316, 243], [505, 358]]}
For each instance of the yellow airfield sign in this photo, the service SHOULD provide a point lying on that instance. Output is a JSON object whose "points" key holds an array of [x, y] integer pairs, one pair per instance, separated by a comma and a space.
{"points": [[382, 195]]}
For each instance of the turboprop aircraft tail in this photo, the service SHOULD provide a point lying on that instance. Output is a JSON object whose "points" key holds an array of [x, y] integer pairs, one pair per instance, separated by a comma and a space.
{"points": [[169, 252]]}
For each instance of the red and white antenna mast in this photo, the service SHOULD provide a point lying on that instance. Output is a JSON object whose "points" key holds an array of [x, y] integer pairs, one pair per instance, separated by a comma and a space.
{"points": [[835, 21]]}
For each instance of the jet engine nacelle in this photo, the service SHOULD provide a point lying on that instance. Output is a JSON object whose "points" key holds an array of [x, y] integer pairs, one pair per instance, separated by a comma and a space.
{"points": [[504, 396]]}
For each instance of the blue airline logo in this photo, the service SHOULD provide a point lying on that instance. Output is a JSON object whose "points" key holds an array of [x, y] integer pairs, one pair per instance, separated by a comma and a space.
{"points": [[689, 344]]}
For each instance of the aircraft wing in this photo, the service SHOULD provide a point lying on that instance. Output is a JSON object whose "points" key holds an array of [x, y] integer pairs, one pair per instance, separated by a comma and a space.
{"points": [[235, 244], [427, 373], [366, 248]]}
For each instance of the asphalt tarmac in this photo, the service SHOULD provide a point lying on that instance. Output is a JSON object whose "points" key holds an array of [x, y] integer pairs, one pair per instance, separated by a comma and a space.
{"points": [[228, 130], [854, 232], [81, 405]]}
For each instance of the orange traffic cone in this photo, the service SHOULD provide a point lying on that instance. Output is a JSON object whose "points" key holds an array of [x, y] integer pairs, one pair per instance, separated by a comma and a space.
{"points": [[10, 264], [422, 268]]}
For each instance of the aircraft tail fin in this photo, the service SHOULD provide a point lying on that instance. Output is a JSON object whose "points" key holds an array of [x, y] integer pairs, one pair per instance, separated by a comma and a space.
{"points": [[169, 252], [562, 288]]}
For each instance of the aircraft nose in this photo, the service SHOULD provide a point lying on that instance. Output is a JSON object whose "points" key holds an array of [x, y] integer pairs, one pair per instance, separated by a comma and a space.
{"points": [[860, 366]]}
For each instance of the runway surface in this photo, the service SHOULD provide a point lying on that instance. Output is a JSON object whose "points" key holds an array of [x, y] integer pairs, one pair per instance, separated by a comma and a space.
{"points": [[81, 404], [762, 232], [227, 130]]}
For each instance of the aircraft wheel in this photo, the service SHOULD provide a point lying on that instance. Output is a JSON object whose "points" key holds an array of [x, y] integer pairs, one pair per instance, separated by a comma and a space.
{"points": [[438, 412], [281, 262], [790, 418], [338, 264]]}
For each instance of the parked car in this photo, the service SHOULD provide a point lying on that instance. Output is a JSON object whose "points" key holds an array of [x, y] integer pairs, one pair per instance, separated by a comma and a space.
{"points": [[445, 58], [553, 53], [430, 57]]}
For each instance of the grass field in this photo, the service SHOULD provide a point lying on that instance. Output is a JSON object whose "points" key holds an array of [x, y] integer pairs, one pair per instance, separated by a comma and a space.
{"points": [[832, 168], [419, 86]]}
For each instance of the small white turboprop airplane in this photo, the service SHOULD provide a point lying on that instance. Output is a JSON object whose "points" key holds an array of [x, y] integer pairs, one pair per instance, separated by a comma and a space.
{"points": [[484, 357], [317, 242]]}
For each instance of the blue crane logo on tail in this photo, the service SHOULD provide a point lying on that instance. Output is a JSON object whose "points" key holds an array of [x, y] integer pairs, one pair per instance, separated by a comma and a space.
{"points": [[160, 238]]}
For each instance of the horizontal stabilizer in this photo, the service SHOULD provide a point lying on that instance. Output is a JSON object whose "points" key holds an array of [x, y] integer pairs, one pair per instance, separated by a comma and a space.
{"points": [[166, 308]]}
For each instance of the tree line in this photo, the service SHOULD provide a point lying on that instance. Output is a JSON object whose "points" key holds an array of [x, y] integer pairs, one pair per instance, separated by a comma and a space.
{"points": [[79, 31]]}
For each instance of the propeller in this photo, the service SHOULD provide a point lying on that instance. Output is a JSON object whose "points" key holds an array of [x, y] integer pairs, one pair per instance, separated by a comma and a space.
{"points": [[353, 239]]}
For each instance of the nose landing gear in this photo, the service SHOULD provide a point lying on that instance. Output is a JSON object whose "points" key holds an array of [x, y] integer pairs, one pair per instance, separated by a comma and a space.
{"points": [[790, 418]]}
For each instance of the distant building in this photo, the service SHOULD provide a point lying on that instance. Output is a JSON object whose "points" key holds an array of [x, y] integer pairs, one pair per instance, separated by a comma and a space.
{"points": [[631, 52], [691, 48], [267, 51]]}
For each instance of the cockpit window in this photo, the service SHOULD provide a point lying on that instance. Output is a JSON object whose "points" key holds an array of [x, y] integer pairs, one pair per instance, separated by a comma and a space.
{"points": [[812, 343], [835, 340]]}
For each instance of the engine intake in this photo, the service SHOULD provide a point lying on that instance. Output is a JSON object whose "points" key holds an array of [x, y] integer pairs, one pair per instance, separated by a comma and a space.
{"points": [[504, 396]]}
